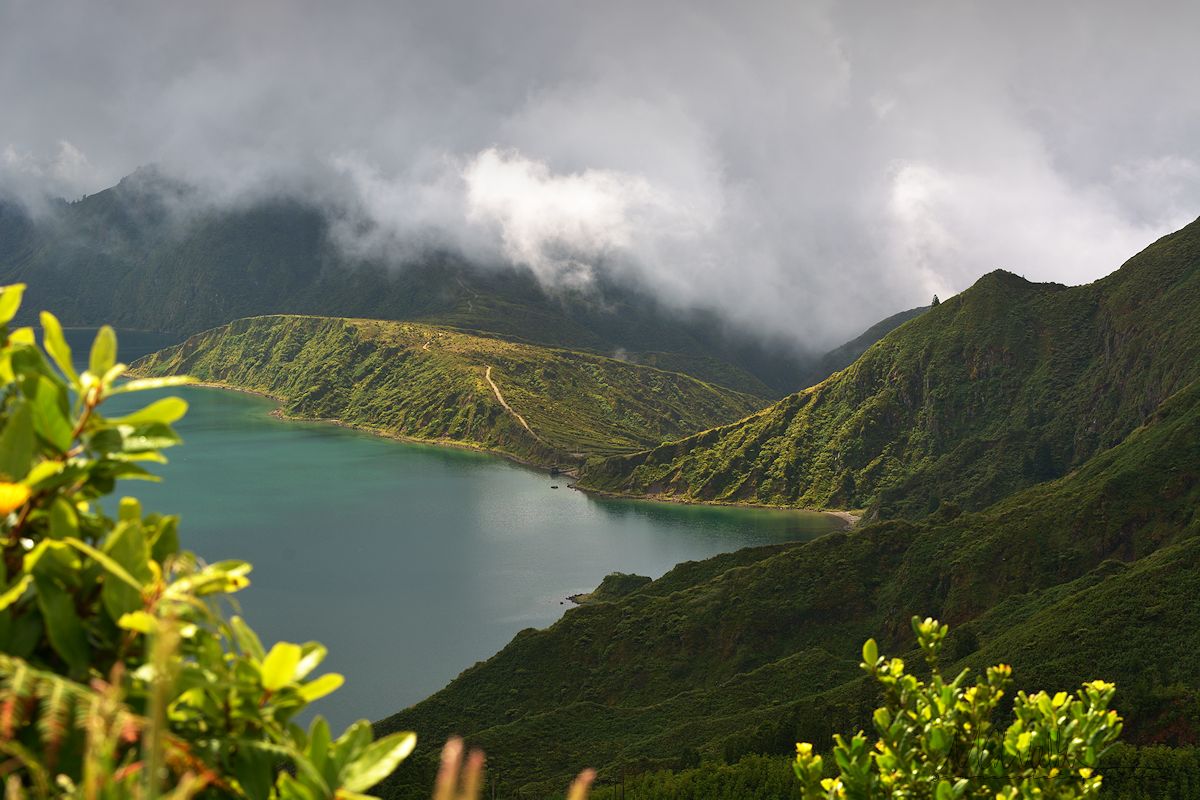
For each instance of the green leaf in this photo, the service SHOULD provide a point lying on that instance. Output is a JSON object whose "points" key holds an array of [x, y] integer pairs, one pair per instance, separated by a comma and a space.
{"points": [[13, 593], [64, 520], [939, 740], [247, 639], [46, 474], [279, 667], [944, 791], [142, 384], [224, 576], [287, 787], [50, 409], [255, 770], [55, 560], [56, 345], [149, 436], [10, 301], [165, 541], [319, 687], [104, 351], [129, 510], [378, 761], [17, 444], [314, 654], [63, 626], [126, 544], [22, 336], [164, 411], [352, 742], [319, 740], [114, 372]]}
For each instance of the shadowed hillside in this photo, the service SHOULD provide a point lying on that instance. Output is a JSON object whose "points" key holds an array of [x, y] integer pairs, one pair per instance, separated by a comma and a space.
{"points": [[755, 650]]}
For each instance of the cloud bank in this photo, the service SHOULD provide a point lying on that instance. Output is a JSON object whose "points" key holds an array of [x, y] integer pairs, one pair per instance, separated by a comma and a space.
{"points": [[805, 168]]}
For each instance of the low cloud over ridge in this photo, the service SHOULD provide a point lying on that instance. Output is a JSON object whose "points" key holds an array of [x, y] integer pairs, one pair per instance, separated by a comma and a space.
{"points": [[805, 168]]}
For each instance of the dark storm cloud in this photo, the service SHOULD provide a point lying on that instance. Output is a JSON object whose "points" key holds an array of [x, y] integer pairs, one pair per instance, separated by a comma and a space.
{"points": [[806, 167]]}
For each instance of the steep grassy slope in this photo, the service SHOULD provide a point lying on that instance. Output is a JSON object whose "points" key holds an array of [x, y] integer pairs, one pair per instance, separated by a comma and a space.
{"points": [[434, 383], [1090, 575], [846, 354], [1008, 384], [150, 254]]}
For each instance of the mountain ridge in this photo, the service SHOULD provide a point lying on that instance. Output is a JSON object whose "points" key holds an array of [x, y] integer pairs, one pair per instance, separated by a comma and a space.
{"points": [[749, 652], [997, 388], [147, 254]]}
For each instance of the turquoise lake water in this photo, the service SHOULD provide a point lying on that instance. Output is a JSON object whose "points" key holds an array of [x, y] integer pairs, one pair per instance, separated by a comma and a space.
{"points": [[409, 562]]}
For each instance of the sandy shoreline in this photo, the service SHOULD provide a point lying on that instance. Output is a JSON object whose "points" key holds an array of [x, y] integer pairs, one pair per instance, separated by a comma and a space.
{"points": [[848, 517]]}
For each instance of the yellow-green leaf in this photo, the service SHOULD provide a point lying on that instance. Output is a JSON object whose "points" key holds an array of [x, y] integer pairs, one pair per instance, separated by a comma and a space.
{"points": [[104, 351], [141, 384], [138, 621], [319, 687], [164, 411], [279, 667], [870, 652], [10, 301], [377, 761], [110, 566], [13, 593], [56, 345]]}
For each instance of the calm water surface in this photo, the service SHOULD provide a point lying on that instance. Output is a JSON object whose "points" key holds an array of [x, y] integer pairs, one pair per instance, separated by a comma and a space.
{"points": [[410, 562]]}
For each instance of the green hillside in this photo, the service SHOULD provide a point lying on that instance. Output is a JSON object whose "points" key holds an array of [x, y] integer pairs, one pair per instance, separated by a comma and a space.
{"points": [[150, 254], [846, 354], [1090, 575], [439, 384], [1008, 384], [1031, 454]]}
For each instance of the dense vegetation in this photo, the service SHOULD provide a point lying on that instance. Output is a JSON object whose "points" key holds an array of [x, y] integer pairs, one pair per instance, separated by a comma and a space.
{"points": [[846, 354], [1130, 773], [436, 384], [1006, 385], [150, 254], [943, 738], [120, 675], [1090, 573]]}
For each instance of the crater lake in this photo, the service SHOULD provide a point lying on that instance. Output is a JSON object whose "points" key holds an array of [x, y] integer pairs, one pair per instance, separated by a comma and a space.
{"points": [[409, 562]]}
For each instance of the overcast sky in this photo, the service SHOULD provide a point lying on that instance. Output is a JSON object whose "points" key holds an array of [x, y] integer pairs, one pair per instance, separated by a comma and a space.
{"points": [[807, 167]]}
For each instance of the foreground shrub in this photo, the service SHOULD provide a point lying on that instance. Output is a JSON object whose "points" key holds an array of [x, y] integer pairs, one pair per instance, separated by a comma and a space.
{"points": [[937, 739], [119, 674]]}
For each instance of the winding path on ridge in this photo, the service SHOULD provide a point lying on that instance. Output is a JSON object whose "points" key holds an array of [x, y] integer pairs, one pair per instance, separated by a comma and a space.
{"points": [[496, 389]]}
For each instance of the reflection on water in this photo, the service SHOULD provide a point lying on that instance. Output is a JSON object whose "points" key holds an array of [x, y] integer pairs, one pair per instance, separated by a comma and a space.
{"points": [[778, 524], [410, 562]]}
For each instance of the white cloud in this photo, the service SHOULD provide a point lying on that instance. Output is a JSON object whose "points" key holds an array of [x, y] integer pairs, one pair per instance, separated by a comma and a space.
{"points": [[806, 168], [561, 225]]}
